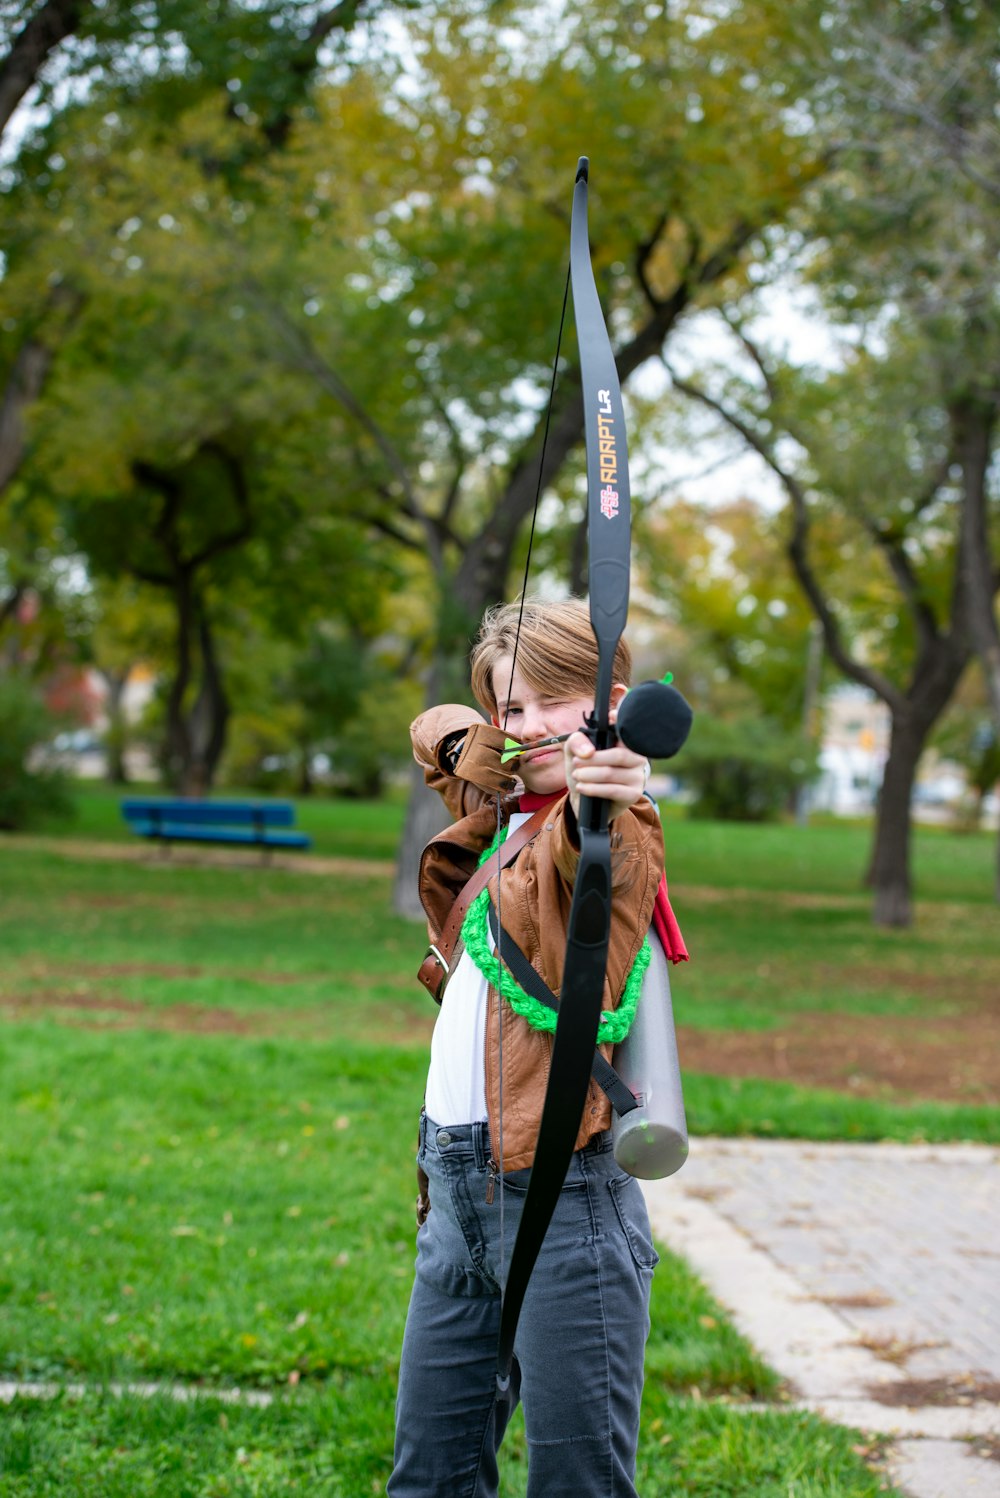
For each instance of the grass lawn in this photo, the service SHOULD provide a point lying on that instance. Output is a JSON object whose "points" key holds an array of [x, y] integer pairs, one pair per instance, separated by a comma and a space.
{"points": [[210, 1081], [827, 858], [217, 1208]]}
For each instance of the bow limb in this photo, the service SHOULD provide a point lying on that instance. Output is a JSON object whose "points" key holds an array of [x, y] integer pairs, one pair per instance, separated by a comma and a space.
{"points": [[589, 929]]}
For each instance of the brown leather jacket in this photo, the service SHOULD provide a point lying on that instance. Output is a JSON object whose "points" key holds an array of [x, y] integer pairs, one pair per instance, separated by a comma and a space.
{"points": [[536, 896]]}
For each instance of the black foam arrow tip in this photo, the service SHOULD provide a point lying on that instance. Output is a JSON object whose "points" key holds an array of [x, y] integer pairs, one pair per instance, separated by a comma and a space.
{"points": [[654, 720]]}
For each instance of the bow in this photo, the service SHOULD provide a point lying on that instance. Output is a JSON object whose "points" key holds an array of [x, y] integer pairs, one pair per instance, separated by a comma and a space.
{"points": [[581, 994]]}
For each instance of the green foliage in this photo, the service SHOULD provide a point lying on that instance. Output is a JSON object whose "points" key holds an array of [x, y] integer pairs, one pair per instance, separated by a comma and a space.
{"points": [[374, 742], [29, 793], [365, 337], [968, 738], [745, 769], [329, 713], [744, 639]]}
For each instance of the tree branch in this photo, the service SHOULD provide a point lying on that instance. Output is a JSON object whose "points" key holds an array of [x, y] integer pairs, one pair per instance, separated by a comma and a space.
{"points": [[482, 573], [308, 358], [27, 377], [302, 64], [51, 24], [798, 548]]}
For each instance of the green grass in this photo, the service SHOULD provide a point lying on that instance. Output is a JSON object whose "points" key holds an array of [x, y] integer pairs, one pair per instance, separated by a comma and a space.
{"points": [[829, 857], [733, 1106], [321, 956], [215, 1210], [759, 958], [211, 1079], [203, 1207], [334, 1442], [277, 1179]]}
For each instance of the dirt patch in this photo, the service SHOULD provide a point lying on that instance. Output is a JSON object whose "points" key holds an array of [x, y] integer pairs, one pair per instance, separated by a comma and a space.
{"points": [[863, 1300], [102, 971], [894, 1349], [195, 856], [951, 1059], [108, 1011], [918, 1393], [387, 1023], [954, 1059]]}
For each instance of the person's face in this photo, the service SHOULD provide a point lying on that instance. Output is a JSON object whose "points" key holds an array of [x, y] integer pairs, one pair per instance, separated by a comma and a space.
{"points": [[527, 714]]}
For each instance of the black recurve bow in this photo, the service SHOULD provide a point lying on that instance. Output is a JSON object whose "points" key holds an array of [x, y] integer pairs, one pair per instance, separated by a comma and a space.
{"points": [[582, 989]]}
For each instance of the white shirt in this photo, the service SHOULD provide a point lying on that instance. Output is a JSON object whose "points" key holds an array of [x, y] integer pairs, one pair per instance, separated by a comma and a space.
{"points": [[456, 1080]]}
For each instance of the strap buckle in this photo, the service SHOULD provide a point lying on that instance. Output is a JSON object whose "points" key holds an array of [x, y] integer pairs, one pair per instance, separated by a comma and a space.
{"points": [[432, 951]]}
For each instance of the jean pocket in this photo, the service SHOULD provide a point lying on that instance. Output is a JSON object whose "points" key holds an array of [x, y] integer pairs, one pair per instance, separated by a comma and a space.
{"points": [[630, 1204], [516, 1181]]}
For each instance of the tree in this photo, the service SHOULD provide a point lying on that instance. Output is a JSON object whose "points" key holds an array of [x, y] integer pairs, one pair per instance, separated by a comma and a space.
{"points": [[265, 53], [28, 792], [743, 617], [452, 440], [442, 439], [250, 65], [860, 452], [912, 235], [175, 450]]}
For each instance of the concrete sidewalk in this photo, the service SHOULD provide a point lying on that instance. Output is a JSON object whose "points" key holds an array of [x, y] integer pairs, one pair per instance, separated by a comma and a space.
{"points": [[869, 1277]]}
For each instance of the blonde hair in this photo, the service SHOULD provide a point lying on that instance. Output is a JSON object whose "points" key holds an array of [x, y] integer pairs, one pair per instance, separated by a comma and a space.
{"points": [[556, 649]]}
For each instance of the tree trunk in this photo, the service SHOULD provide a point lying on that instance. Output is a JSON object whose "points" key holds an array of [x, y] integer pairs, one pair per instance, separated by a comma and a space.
{"points": [[24, 386], [117, 735], [305, 785], [195, 735], [426, 816], [177, 747], [28, 374], [209, 717], [810, 703], [889, 870], [426, 813], [51, 24], [936, 674], [972, 423]]}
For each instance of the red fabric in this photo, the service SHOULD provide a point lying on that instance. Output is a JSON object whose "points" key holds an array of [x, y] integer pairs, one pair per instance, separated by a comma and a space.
{"points": [[665, 923], [664, 920], [535, 800]]}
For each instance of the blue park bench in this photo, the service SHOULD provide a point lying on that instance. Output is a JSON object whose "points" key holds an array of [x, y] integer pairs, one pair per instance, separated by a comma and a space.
{"points": [[259, 824]]}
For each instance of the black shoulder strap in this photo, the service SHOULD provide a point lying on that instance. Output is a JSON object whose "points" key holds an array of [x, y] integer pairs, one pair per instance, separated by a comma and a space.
{"points": [[534, 984]]}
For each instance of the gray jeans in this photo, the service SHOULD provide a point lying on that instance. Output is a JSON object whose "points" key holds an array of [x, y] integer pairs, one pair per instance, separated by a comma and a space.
{"points": [[580, 1342]]}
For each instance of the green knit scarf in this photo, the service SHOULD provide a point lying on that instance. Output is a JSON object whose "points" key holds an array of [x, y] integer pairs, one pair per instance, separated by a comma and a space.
{"points": [[614, 1026]]}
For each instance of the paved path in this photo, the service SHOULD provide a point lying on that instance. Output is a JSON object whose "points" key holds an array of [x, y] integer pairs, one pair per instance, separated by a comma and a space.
{"points": [[869, 1277]]}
